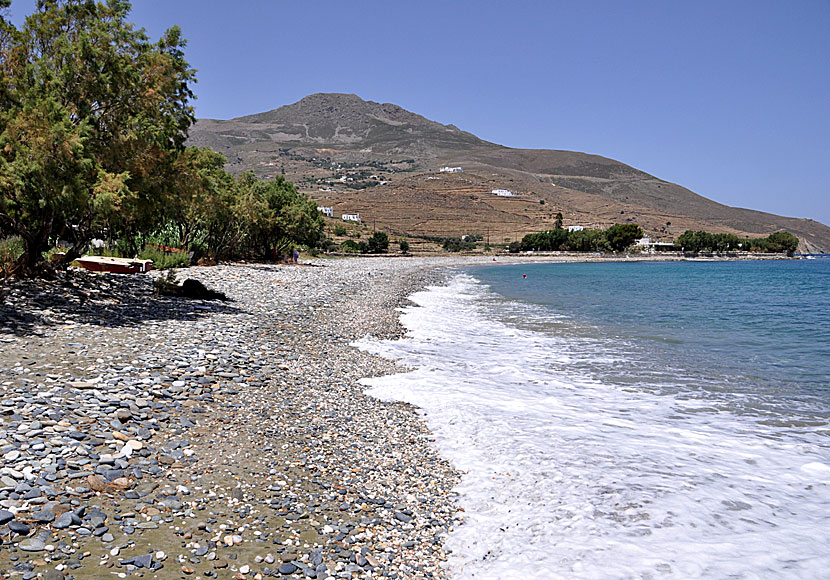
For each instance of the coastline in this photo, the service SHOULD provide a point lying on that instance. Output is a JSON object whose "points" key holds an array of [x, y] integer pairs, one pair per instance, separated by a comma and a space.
{"points": [[255, 451], [212, 439]]}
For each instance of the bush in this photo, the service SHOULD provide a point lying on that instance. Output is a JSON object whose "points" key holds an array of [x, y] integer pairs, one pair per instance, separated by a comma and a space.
{"points": [[404, 247], [514, 247], [165, 260], [457, 245], [350, 247], [10, 249], [328, 245], [340, 231]]}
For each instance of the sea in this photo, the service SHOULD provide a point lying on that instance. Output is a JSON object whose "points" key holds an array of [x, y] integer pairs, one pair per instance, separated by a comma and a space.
{"points": [[648, 420]]}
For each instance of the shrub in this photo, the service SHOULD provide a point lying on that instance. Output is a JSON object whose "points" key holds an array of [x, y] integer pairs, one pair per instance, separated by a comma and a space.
{"points": [[404, 247], [457, 245], [10, 251], [328, 245], [350, 247], [340, 231], [165, 260]]}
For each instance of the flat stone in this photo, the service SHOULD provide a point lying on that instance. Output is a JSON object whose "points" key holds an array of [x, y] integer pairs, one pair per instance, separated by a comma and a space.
{"points": [[32, 545], [43, 516], [143, 561], [287, 568], [19, 527], [64, 521]]}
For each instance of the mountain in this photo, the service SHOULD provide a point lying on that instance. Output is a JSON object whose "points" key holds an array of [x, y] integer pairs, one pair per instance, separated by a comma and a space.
{"points": [[382, 161]]}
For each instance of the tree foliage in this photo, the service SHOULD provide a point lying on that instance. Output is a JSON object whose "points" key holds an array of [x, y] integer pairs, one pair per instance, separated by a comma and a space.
{"points": [[378, 243], [701, 241], [621, 236], [93, 123], [94, 116], [274, 215]]}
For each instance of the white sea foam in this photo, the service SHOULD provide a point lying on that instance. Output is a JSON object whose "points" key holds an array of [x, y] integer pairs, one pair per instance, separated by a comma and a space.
{"points": [[571, 476]]}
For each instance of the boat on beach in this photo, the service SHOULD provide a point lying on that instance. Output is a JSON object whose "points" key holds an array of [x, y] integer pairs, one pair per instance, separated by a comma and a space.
{"points": [[115, 265]]}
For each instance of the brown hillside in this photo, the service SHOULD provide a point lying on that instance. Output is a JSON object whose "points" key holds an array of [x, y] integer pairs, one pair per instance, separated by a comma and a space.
{"points": [[382, 161]]}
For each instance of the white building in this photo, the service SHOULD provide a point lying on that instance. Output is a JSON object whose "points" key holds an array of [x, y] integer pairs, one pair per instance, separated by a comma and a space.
{"points": [[350, 217], [451, 170], [575, 228], [326, 211], [503, 193], [650, 245]]}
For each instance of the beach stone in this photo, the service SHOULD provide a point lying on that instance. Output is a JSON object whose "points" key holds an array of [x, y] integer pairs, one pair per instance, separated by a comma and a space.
{"points": [[64, 521], [19, 527], [32, 545], [143, 561], [287, 568], [135, 444], [96, 483], [5, 516], [43, 516], [53, 575]]}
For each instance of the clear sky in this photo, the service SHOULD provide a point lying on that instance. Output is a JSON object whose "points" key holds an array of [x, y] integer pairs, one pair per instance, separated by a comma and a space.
{"points": [[730, 99]]}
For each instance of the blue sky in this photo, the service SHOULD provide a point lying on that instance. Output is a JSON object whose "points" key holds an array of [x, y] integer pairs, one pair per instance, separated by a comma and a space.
{"points": [[729, 99]]}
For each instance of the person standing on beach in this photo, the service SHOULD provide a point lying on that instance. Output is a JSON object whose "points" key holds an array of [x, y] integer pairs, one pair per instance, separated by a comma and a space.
{"points": [[295, 255]]}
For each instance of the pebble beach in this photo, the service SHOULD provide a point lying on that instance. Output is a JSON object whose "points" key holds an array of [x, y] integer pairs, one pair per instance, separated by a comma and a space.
{"points": [[160, 437]]}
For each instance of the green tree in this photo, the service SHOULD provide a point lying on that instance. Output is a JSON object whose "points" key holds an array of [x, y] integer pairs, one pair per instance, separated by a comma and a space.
{"points": [[93, 118], [275, 215], [782, 242], [547, 241], [557, 225], [404, 247], [378, 243], [203, 211], [587, 241], [621, 236]]}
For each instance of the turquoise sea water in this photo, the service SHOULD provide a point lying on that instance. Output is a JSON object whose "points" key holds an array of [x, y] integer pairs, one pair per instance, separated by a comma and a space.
{"points": [[756, 331], [629, 420]]}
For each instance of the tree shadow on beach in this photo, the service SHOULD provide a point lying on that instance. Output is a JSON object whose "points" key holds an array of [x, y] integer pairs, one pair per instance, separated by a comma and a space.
{"points": [[29, 307]]}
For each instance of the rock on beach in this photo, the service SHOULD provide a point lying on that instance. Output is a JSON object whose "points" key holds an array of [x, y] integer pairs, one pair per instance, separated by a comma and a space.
{"points": [[147, 434]]}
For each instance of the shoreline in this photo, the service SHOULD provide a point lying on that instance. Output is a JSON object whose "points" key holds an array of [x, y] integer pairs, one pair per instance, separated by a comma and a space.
{"points": [[253, 449], [164, 437]]}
